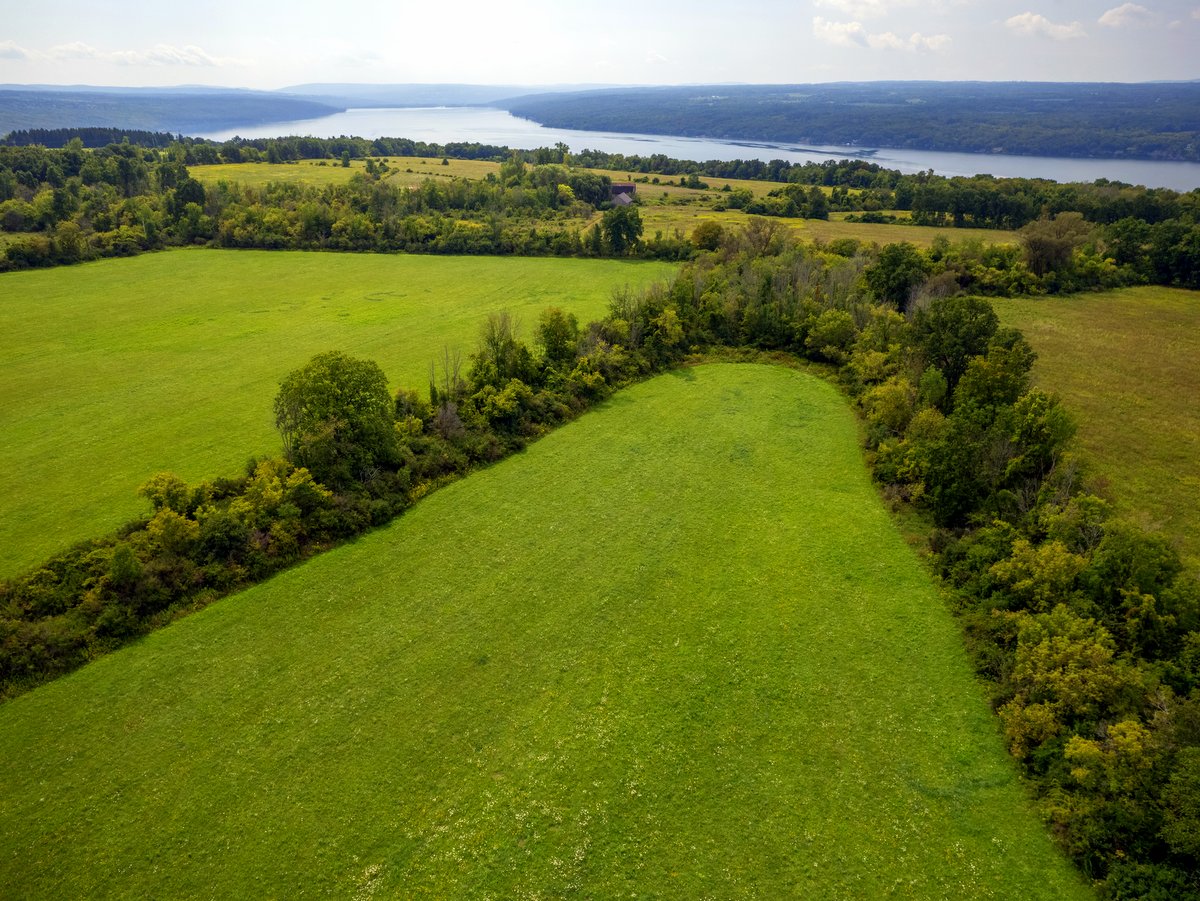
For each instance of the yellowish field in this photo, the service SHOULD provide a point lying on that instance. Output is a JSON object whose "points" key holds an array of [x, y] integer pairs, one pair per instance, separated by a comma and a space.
{"points": [[256, 175], [664, 207], [667, 218], [1127, 364]]}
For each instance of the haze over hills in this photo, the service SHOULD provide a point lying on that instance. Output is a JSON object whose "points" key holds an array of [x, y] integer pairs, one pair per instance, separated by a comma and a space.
{"points": [[1105, 120], [1149, 121], [177, 110], [399, 95]]}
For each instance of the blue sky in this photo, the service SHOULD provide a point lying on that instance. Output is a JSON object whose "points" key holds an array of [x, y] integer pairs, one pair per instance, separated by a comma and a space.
{"points": [[272, 44]]}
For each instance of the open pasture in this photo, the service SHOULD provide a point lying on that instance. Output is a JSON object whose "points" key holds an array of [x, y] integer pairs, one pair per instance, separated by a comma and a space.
{"points": [[664, 207], [119, 369], [676, 648], [1127, 363], [257, 175], [685, 216]]}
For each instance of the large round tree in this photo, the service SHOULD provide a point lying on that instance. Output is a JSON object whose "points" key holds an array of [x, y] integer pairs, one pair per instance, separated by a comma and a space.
{"points": [[335, 417]]}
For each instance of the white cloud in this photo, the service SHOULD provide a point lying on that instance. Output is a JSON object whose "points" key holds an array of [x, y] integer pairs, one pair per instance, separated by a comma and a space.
{"points": [[853, 34], [1126, 14], [1035, 23], [11, 50], [1196, 13], [931, 42], [859, 9], [840, 34], [885, 41], [158, 55], [917, 41], [74, 50], [164, 55]]}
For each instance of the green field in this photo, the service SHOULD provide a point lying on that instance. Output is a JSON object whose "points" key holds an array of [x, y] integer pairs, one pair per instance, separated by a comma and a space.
{"points": [[685, 217], [405, 170], [1127, 363], [257, 175], [675, 649], [118, 369]]}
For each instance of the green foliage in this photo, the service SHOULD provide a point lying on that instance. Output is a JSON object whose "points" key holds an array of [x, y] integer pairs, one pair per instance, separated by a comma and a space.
{"points": [[831, 336], [1181, 805], [622, 227], [953, 330], [707, 235], [335, 418], [898, 270], [1065, 674], [558, 335], [1050, 243]]}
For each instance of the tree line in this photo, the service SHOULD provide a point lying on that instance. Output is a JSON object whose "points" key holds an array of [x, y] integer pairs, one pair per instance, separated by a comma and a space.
{"points": [[1086, 628], [72, 204], [123, 198]]}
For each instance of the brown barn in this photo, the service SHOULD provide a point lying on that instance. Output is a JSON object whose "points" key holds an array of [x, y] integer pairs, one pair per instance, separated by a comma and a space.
{"points": [[622, 192]]}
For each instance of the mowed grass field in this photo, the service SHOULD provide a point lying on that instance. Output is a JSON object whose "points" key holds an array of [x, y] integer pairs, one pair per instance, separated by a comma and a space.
{"points": [[1127, 364], [677, 649], [119, 369]]}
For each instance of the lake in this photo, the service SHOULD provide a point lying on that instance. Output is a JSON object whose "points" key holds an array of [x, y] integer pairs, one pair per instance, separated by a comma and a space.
{"points": [[485, 125]]}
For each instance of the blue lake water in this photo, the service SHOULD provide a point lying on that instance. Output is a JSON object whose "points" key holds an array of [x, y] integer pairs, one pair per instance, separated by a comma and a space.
{"points": [[494, 126]]}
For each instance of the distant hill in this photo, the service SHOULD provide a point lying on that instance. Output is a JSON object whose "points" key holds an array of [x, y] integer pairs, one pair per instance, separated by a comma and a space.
{"points": [[401, 95], [1156, 121], [89, 136], [180, 110]]}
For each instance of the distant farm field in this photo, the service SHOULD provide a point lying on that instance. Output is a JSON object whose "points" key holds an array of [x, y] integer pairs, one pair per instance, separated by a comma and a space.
{"points": [[118, 369], [675, 649], [665, 208], [1127, 363], [672, 215], [406, 170]]}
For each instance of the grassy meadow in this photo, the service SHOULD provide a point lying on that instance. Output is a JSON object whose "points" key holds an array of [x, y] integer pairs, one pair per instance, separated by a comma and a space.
{"points": [[406, 170], [1127, 363], [702, 664], [670, 216], [665, 207], [118, 369]]}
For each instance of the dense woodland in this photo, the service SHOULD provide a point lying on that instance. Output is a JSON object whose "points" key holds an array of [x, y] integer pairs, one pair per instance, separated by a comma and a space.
{"points": [[1086, 628], [1137, 121]]}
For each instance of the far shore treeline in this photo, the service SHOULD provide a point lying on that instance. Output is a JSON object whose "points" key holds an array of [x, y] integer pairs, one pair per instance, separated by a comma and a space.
{"points": [[68, 204]]}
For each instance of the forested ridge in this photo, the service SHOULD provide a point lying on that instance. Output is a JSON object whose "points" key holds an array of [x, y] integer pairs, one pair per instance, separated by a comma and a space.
{"points": [[1135, 121], [1086, 628], [187, 110]]}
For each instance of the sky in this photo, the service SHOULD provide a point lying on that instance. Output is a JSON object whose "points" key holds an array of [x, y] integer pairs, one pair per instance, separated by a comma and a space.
{"points": [[273, 44]]}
